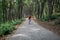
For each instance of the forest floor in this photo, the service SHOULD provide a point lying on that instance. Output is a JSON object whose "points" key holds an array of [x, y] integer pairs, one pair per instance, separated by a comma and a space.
{"points": [[49, 25]]}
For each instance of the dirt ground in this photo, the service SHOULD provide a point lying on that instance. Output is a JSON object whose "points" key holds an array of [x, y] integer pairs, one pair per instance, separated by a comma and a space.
{"points": [[48, 25]]}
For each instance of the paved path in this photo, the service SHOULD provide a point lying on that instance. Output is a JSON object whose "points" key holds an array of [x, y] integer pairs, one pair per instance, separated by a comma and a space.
{"points": [[33, 32]]}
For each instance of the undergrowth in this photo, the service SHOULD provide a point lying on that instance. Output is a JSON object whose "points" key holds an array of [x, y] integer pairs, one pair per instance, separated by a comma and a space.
{"points": [[8, 27]]}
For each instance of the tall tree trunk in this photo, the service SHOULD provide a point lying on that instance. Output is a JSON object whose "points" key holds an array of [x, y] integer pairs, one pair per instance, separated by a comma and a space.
{"points": [[11, 10], [42, 7], [50, 8], [20, 9], [4, 10], [38, 11]]}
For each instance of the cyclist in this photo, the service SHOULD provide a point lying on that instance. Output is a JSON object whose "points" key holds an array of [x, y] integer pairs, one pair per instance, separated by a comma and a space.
{"points": [[29, 19]]}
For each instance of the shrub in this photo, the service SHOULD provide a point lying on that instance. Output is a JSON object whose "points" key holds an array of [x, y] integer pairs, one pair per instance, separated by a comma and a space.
{"points": [[57, 21], [6, 28], [45, 18], [14, 22], [54, 17]]}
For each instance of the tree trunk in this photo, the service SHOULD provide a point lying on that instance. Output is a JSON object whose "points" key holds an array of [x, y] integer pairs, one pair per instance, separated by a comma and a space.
{"points": [[38, 9], [11, 10], [4, 10], [42, 7], [20, 7], [50, 8]]}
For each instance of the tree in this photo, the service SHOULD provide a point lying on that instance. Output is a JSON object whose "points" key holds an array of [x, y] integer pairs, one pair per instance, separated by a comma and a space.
{"points": [[4, 8], [50, 8], [42, 7], [20, 7], [11, 10]]}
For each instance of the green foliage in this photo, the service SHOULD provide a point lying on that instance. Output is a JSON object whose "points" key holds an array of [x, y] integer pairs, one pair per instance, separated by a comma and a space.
{"points": [[14, 22], [44, 18], [57, 21], [55, 16], [6, 28]]}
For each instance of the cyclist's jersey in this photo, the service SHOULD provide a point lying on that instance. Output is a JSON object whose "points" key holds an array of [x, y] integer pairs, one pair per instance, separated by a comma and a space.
{"points": [[29, 17]]}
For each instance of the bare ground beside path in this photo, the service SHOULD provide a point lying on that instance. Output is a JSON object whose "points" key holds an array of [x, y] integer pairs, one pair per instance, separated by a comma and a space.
{"points": [[49, 26]]}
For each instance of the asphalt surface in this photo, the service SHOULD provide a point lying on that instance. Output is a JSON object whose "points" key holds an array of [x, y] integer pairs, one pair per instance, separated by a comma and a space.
{"points": [[33, 31]]}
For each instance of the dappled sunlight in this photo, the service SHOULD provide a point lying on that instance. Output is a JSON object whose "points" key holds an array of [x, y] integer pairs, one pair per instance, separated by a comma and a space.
{"points": [[35, 29], [21, 35]]}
